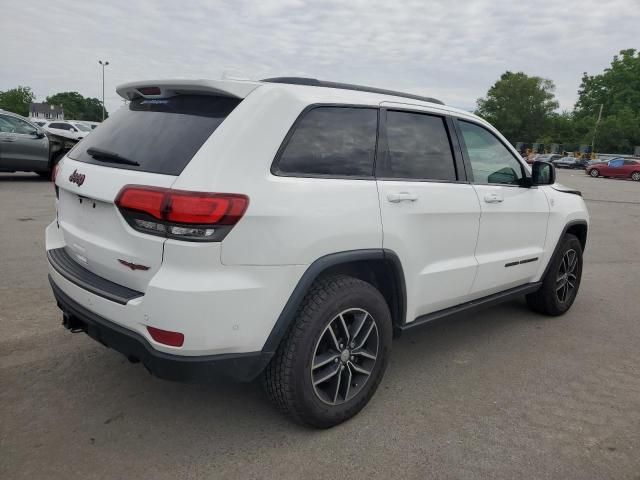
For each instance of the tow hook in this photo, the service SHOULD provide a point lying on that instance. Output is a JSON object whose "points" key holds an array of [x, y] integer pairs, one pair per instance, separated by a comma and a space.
{"points": [[73, 324]]}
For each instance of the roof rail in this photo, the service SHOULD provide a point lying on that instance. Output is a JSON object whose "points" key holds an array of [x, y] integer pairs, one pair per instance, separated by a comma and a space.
{"points": [[314, 82]]}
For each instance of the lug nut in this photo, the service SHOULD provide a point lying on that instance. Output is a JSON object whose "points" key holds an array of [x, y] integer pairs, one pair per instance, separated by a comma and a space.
{"points": [[335, 361], [352, 357]]}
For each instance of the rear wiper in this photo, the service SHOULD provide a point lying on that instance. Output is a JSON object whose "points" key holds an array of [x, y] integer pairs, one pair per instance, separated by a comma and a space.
{"points": [[106, 156]]}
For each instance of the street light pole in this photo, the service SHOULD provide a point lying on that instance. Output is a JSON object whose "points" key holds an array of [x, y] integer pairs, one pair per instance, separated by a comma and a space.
{"points": [[104, 64], [595, 129]]}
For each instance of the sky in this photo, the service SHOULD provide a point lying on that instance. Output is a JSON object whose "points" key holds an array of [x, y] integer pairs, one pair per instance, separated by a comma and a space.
{"points": [[449, 49]]}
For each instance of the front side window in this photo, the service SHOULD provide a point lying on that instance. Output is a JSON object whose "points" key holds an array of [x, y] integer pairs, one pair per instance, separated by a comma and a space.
{"points": [[491, 161], [616, 163], [332, 141], [15, 125], [418, 148]]}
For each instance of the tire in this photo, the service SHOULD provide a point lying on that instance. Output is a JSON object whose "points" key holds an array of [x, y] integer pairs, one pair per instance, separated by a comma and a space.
{"points": [[316, 335], [565, 269], [594, 172], [635, 176]]}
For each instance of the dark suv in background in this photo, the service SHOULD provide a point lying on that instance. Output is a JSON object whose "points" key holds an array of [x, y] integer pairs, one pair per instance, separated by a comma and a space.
{"points": [[25, 147]]}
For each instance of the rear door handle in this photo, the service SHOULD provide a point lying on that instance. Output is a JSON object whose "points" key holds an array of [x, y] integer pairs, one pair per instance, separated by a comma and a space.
{"points": [[493, 198], [402, 197]]}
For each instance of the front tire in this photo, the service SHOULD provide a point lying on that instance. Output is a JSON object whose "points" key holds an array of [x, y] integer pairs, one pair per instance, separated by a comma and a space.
{"points": [[333, 358], [561, 282], [594, 173], [635, 176]]}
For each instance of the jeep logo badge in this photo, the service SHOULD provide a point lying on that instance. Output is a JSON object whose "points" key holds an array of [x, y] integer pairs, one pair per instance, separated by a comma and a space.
{"points": [[77, 178]]}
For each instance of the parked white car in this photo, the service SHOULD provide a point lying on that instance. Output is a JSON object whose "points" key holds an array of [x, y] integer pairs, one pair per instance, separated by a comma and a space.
{"points": [[288, 227], [73, 129]]}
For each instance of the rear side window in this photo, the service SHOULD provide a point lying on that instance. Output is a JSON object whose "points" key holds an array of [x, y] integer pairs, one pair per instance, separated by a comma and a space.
{"points": [[160, 135], [332, 141], [418, 147]]}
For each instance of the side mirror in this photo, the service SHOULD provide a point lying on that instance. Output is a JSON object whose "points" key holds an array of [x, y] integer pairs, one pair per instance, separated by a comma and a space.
{"points": [[39, 133], [543, 173]]}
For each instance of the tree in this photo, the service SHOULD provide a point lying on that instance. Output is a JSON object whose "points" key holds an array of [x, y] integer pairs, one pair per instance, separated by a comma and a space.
{"points": [[617, 88], [519, 106], [17, 100], [77, 107]]}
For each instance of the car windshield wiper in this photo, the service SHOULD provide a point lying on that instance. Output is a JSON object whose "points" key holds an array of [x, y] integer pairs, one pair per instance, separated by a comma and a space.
{"points": [[110, 157]]}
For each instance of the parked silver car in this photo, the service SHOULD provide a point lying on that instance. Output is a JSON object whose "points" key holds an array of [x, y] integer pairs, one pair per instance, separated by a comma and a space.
{"points": [[570, 162]]}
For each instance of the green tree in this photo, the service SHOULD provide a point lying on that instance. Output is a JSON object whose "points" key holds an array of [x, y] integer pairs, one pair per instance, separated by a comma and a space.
{"points": [[616, 89], [520, 106], [17, 100], [77, 107]]}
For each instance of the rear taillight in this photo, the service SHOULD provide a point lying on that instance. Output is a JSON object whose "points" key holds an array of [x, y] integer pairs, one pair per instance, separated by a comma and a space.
{"points": [[54, 174], [193, 216]]}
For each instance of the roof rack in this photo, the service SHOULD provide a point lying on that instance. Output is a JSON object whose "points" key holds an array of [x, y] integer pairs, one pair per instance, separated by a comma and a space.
{"points": [[314, 82]]}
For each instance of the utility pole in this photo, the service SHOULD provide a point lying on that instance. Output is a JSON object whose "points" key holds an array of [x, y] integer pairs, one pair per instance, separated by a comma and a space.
{"points": [[595, 129], [104, 64]]}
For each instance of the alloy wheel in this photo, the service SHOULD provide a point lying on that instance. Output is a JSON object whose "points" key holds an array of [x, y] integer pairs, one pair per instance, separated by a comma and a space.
{"points": [[567, 276], [635, 176], [594, 173], [345, 356]]}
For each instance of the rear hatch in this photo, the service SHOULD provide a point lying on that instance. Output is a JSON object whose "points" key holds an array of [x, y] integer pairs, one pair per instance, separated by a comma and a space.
{"points": [[147, 142]]}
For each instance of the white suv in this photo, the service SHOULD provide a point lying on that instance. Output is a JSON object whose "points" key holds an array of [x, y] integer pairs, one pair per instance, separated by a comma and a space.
{"points": [[288, 228]]}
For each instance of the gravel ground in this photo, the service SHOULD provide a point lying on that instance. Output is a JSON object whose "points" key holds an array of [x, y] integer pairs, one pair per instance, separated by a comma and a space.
{"points": [[503, 393]]}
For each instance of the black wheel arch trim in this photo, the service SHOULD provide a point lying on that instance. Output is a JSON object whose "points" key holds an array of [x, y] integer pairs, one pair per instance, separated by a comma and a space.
{"points": [[566, 228], [321, 265]]}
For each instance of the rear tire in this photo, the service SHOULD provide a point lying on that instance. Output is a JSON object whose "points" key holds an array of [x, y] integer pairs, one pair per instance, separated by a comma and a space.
{"points": [[561, 283], [594, 173], [325, 342]]}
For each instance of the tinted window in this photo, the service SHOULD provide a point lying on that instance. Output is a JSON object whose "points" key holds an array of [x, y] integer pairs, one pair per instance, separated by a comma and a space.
{"points": [[337, 141], [162, 135], [418, 147], [630, 162], [60, 126], [491, 161]]}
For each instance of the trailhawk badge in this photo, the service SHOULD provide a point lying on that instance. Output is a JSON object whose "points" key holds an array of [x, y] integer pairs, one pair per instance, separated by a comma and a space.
{"points": [[77, 178]]}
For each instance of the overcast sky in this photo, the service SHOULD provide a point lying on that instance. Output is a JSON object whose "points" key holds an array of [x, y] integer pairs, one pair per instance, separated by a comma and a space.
{"points": [[449, 49]]}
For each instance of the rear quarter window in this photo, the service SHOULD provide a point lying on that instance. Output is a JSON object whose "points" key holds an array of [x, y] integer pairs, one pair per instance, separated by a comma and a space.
{"points": [[331, 141], [160, 135]]}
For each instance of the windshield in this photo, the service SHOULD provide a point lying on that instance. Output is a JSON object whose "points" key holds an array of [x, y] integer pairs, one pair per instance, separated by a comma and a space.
{"points": [[82, 126], [157, 135]]}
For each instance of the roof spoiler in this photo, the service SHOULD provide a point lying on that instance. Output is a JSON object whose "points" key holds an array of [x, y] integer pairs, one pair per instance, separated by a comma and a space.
{"points": [[170, 88]]}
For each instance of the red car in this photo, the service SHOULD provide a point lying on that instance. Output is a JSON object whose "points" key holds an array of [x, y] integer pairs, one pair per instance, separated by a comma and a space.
{"points": [[616, 167]]}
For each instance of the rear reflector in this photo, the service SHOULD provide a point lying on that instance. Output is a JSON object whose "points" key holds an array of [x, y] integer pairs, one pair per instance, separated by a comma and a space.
{"points": [[195, 216], [173, 339]]}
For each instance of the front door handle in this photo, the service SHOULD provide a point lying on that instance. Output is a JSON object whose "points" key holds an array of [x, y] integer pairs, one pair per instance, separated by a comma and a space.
{"points": [[493, 198], [402, 197]]}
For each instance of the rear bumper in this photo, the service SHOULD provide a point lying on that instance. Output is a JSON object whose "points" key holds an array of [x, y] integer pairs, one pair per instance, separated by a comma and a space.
{"points": [[238, 366]]}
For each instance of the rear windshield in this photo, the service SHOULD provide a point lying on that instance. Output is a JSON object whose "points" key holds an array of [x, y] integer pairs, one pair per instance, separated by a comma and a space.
{"points": [[160, 135]]}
